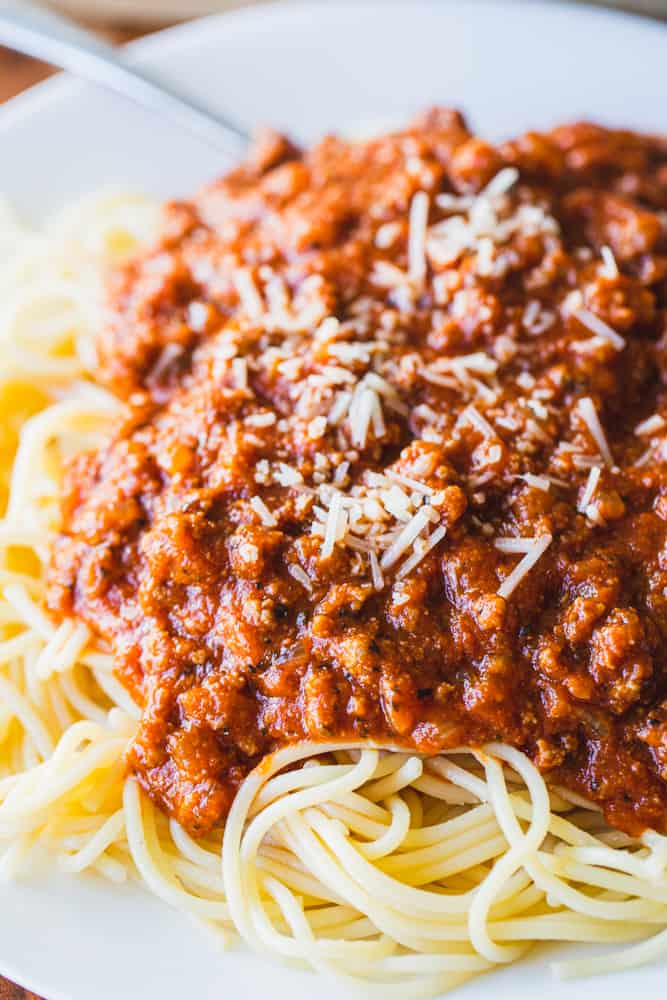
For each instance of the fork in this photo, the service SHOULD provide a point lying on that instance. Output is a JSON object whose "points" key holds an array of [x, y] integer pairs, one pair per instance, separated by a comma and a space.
{"points": [[56, 40]]}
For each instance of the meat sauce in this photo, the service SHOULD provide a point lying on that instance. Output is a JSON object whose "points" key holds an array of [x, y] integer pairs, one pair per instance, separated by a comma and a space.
{"points": [[366, 386]]}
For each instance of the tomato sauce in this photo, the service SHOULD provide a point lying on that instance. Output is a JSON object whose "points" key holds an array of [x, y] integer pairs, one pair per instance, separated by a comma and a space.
{"points": [[391, 464]]}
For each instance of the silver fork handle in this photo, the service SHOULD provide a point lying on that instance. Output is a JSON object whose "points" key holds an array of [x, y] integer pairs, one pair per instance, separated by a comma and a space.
{"points": [[57, 41]]}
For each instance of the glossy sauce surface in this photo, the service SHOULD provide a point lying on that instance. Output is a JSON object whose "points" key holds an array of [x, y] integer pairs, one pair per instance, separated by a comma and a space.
{"points": [[364, 383]]}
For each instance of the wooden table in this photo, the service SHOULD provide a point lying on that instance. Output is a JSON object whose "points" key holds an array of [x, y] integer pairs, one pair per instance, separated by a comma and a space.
{"points": [[16, 74]]}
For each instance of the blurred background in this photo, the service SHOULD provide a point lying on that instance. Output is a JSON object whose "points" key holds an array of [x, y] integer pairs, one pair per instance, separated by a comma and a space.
{"points": [[120, 21], [155, 10]]}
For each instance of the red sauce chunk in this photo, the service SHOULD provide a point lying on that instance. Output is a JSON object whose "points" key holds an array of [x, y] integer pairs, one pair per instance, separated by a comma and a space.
{"points": [[392, 463]]}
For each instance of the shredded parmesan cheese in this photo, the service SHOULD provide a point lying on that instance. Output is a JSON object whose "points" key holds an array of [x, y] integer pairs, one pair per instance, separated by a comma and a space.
{"points": [[473, 417], [240, 372], [406, 537], [589, 489], [265, 515], [512, 546], [531, 312], [417, 238], [198, 314], [539, 482], [413, 484], [361, 411], [286, 475], [650, 426], [488, 225], [376, 570], [609, 266], [600, 328], [300, 575], [317, 428], [260, 419], [589, 415], [336, 525], [248, 293], [501, 183], [537, 548], [419, 553], [387, 234]]}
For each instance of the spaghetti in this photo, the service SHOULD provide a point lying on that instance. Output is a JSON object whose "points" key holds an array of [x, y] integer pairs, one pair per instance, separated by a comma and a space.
{"points": [[402, 873]]}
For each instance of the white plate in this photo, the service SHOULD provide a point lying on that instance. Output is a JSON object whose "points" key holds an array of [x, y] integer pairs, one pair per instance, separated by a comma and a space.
{"points": [[511, 66]]}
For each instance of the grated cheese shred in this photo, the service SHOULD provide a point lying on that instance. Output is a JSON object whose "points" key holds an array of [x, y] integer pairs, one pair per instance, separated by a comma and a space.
{"points": [[609, 266], [336, 525], [539, 482], [300, 575], [589, 489], [534, 550], [419, 553], [599, 328], [265, 515], [589, 415], [417, 239], [406, 537], [376, 570], [650, 426]]}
